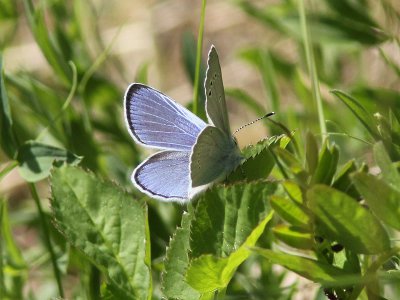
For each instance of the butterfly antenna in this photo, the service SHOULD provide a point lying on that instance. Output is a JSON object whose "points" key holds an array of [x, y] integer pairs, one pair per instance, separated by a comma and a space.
{"points": [[252, 122]]}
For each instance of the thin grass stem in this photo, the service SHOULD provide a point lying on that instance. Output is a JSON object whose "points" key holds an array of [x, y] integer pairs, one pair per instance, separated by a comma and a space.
{"points": [[46, 235], [198, 58], [311, 67]]}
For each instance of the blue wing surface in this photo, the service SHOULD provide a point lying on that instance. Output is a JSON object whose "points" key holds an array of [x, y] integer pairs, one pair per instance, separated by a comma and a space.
{"points": [[156, 121], [164, 176]]}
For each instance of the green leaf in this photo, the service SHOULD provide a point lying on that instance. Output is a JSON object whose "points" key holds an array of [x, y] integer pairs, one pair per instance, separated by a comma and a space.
{"points": [[389, 170], [359, 111], [324, 28], [258, 162], [382, 197], [292, 163], [107, 225], [176, 262], [293, 190], [311, 269], [342, 179], [311, 153], [294, 236], [7, 139], [50, 49], [327, 164], [343, 219], [11, 261], [290, 211], [225, 217], [36, 159], [209, 273]]}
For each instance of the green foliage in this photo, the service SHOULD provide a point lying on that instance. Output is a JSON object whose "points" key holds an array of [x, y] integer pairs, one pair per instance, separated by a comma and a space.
{"points": [[104, 223], [320, 197]]}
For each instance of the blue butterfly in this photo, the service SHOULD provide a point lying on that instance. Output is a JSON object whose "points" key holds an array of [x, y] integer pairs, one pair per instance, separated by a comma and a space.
{"points": [[194, 154]]}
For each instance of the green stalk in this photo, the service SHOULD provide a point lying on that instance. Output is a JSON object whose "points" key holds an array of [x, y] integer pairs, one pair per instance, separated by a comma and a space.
{"points": [[311, 68], [198, 58], [46, 234]]}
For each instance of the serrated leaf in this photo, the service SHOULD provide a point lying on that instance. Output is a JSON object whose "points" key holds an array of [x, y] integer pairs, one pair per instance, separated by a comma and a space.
{"points": [[258, 162], [7, 138], [36, 159], [294, 236], [174, 284], [381, 197], [343, 219], [209, 273], [311, 269], [107, 225], [290, 211], [226, 216]]}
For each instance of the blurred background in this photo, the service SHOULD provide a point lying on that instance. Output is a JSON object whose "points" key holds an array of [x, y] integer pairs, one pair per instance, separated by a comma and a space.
{"points": [[114, 43]]}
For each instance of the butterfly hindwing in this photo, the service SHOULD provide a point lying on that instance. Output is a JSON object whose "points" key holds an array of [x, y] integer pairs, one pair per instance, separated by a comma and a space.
{"points": [[164, 175], [154, 120], [215, 96], [213, 156]]}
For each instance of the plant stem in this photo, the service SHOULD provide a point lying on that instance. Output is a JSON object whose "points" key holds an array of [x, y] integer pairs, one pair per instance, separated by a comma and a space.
{"points": [[46, 234], [312, 70], [198, 58]]}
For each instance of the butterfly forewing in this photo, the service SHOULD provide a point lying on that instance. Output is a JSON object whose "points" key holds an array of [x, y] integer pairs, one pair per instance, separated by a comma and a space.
{"points": [[164, 175], [215, 95], [155, 120]]}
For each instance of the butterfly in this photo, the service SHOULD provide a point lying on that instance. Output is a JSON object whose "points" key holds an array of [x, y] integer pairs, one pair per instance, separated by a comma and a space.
{"points": [[194, 154]]}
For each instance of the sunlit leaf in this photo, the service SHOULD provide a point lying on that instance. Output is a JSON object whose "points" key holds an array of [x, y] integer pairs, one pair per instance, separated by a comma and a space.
{"points": [[107, 225], [343, 219], [35, 159]]}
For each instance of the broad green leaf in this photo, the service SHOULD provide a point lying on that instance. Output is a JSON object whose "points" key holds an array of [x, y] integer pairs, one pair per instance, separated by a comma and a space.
{"points": [[107, 225], [381, 197], [388, 169], [225, 217], [290, 211], [176, 262], [13, 268], [209, 273], [36, 159], [311, 269], [359, 111], [343, 219], [294, 236], [327, 164], [7, 138]]}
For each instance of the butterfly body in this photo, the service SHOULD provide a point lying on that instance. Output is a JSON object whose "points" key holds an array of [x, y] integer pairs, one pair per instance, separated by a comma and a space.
{"points": [[195, 154]]}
